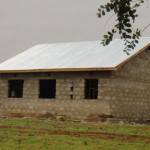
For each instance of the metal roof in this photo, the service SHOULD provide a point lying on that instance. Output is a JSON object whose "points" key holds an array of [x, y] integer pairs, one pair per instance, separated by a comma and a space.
{"points": [[76, 56]]}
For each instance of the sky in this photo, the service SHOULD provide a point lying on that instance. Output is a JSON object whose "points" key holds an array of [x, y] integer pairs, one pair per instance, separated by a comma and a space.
{"points": [[25, 23]]}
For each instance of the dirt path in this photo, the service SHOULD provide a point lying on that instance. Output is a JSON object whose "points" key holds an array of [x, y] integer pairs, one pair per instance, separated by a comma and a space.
{"points": [[94, 135], [110, 136]]}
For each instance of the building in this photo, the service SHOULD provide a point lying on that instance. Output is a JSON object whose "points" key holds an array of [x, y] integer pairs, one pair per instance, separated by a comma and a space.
{"points": [[79, 80]]}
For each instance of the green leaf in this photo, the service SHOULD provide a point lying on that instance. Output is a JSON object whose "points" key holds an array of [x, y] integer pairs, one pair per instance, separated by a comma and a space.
{"points": [[107, 9], [128, 25], [128, 36], [107, 41], [110, 33], [103, 13], [129, 30], [105, 36], [130, 46], [102, 6], [133, 11], [99, 15]]}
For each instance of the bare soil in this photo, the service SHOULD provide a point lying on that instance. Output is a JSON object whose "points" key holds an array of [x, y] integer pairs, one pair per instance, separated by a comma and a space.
{"points": [[93, 135]]}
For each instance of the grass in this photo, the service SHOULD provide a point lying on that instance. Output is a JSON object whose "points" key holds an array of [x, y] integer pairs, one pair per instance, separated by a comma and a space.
{"points": [[32, 134]]}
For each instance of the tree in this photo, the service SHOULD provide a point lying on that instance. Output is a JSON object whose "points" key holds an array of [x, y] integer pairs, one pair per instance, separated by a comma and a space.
{"points": [[126, 13]]}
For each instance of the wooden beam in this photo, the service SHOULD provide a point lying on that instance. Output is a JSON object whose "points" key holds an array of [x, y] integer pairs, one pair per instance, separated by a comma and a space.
{"points": [[58, 70]]}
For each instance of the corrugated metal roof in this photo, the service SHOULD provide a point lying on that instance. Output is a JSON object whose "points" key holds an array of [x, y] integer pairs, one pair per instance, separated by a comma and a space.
{"points": [[77, 55]]}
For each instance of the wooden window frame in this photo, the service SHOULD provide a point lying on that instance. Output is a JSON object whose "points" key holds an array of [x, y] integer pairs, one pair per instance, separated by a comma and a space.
{"points": [[91, 89], [15, 88]]}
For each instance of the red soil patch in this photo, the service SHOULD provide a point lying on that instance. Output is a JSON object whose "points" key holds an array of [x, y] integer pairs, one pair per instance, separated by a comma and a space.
{"points": [[94, 135], [110, 136], [8, 127]]}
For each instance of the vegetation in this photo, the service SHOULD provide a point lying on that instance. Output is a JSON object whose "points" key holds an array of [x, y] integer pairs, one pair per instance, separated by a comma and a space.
{"points": [[126, 13], [27, 134]]}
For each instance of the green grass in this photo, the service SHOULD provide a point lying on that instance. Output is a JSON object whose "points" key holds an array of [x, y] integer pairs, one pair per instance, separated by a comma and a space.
{"points": [[32, 134]]}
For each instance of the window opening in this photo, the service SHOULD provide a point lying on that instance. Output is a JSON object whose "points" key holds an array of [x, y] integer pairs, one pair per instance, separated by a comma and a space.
{"points": [[91, 89], [15, 88], [71, 96], [47, 88], [71, 88]]}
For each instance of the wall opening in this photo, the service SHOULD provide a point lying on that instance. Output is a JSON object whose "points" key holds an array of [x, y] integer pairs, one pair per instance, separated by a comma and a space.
{"points": [[15, 88], [71, 96], [47, 88], [91, 89], [71, 88]]}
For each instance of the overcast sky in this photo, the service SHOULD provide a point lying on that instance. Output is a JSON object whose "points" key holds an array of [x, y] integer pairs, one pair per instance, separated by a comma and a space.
{"points": [[24, 23]]}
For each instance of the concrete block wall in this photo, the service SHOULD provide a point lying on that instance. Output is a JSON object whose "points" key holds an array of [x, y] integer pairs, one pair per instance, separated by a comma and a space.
{"points": [[131, 83], [32, 105]]}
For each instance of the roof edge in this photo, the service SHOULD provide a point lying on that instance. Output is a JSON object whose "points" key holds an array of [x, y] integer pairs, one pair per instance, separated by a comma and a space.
{"points": [[58, 70], [125, 61]]}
